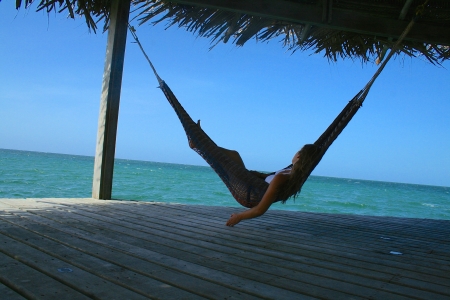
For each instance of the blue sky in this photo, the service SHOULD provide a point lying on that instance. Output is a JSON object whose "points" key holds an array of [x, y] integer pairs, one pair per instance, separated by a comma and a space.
{"points": [[259, 99]]}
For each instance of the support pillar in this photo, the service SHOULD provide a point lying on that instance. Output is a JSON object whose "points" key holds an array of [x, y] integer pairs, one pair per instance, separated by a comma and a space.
{"points": [[110, 99]]}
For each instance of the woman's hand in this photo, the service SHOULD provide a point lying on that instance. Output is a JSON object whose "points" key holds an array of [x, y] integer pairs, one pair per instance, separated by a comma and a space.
{"points": [[233, 220], [269, 197]]}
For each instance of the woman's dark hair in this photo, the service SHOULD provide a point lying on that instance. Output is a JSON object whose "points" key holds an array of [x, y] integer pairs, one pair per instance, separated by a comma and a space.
{"points": [[300, 172]]}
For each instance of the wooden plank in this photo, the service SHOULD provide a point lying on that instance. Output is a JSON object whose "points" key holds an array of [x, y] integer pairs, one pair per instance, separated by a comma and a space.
{"points": [[439, 257], [76, 278], [333, 287], [238, 268], [165, 234], [381, 241], [30, 283], [9, 294], [349, 229], [282, 254], [359, 242], [177, 272], [289, 235], [416, 237], [351, 21], [280, 232], [224, 237], [112, 272], [110, 100]]}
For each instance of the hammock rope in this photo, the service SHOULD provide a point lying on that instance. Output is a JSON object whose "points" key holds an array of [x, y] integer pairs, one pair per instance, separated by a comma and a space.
{"points": [[341, 121], [133, 33], [246, 187]]}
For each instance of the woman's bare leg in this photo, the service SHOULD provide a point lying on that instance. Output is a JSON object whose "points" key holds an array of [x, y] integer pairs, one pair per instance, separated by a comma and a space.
{"points": [[234, 155]]}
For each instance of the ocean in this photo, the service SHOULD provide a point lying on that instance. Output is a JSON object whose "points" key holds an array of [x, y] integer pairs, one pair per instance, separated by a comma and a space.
{"points": [[25, 174]]}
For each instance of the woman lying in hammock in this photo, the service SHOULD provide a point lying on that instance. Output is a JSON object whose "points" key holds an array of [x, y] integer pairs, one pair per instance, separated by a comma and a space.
{"points": [[281, 183], [252, 189]]}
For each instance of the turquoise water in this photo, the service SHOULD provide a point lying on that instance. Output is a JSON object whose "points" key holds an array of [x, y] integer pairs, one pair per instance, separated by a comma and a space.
{"points": [[25, 174]]}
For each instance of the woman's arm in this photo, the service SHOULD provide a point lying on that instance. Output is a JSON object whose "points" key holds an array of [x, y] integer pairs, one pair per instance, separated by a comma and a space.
{"points": [[269, 197]]}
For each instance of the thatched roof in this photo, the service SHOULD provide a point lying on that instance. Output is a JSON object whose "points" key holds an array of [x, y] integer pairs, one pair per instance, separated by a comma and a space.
{"points": [[356, 29]]}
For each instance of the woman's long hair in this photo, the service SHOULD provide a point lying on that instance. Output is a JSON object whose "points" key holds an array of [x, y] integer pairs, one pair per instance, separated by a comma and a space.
{"points": [[300, 172]]}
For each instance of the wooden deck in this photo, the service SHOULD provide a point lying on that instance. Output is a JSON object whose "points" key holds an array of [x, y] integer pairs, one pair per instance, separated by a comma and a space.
{"points": [[84, 248]]}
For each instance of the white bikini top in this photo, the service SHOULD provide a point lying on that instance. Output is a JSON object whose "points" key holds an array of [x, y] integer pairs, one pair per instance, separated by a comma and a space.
{"points": [[271, 176]]}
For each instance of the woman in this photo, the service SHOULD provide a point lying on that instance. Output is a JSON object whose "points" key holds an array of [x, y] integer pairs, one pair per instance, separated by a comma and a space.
{"points": [[282, 184]]}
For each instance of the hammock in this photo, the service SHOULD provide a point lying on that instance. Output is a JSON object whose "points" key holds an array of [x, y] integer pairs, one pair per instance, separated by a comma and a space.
{"points": [[246, 187]]}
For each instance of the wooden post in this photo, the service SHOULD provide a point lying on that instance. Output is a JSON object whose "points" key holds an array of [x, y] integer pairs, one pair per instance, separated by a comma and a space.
{"points": [[110, 99]]}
